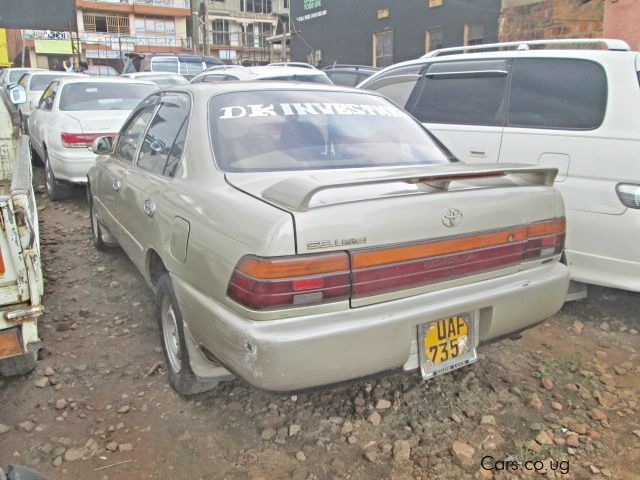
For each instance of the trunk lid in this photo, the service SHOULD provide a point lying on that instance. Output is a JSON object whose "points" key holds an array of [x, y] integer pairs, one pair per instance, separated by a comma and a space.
{"points": [[356, 209], [100, 121]]}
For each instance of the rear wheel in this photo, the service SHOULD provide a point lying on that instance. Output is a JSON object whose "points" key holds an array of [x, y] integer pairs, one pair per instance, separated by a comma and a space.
{"points": [[174, 348], [56, 189], [18, 365]]}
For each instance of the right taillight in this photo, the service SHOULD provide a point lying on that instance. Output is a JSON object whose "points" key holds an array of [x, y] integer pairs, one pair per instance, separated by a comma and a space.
{"points": [[261, 283], [545, 239]]}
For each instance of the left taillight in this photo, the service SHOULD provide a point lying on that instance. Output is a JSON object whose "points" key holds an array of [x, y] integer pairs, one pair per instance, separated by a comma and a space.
{"points": [[262, 283], [81, 140]]}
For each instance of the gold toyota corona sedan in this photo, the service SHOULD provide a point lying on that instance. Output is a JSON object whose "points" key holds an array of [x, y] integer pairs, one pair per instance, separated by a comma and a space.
{"points": [[299, 235]]}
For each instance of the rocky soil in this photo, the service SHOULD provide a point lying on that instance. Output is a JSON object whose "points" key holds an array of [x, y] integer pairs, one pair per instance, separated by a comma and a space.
{"points": [[564, 394]]}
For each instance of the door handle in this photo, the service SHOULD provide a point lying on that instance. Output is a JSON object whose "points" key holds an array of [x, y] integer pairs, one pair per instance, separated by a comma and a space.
{"points": [[116, 184], [149, 207], [478, 152]]}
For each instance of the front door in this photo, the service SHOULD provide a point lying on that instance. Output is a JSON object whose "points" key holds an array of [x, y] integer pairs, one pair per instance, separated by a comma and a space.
{"points": [[114, 169], [463, 104]]}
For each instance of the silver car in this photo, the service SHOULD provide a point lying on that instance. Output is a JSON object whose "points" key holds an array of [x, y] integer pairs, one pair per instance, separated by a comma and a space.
{"points": [[299, 235]]}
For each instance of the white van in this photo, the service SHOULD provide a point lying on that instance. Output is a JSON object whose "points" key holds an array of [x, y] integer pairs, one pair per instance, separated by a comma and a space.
{"points": [[537, 102]]}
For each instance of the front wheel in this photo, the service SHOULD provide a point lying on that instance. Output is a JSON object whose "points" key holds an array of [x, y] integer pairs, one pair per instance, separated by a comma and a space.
{"points": [[174, 348], [96, 228]]}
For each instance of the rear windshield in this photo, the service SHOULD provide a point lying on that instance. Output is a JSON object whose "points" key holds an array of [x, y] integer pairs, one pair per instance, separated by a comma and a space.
{"points": [[322, 79], [103, 96], [40, 82], [262, 131]]}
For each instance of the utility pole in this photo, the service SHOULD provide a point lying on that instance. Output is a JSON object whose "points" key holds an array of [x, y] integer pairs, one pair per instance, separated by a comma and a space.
{"points": [[206, 29]]}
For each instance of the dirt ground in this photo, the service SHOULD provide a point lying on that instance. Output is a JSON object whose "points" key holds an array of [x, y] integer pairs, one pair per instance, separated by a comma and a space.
{"points": [[564, 394]]}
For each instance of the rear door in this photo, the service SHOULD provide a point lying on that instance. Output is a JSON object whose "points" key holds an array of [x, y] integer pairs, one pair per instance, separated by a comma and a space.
{"points": [[463, 103], [113, 169], [556, 111]]}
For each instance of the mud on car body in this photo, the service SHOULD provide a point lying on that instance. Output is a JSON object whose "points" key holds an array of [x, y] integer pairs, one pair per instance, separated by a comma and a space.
{"points": [[301, 235]]}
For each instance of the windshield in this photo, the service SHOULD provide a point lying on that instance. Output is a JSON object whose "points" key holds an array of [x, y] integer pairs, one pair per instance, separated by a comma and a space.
{"points": [[103, 96], [40, 82], [261, 131], [322, 79]]}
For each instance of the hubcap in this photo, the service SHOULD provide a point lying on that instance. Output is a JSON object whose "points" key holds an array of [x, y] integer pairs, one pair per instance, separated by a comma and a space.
{"points": [[170, 335]]}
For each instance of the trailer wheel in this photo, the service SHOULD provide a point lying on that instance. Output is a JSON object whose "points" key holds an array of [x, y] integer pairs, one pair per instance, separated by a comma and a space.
{"points": [[18, 365]]}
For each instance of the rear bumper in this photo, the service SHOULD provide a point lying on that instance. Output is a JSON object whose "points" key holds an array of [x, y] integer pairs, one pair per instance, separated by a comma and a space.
{"points": [[303, 352], [72, 165]]}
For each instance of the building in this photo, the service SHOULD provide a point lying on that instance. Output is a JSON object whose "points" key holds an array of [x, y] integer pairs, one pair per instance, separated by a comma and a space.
{"points": [[382, 32], [242, 31], [108, 29], [549, 19], [621, 20]]}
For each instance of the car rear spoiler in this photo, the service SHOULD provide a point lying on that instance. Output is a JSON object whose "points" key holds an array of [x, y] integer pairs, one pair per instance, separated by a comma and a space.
{"points": [[297, 191]]}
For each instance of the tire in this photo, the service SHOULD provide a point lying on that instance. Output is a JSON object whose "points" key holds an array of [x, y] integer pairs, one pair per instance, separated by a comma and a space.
{"points": [[18, 365], [24, 127], [55, 189], [174, 348], [96, 227]]}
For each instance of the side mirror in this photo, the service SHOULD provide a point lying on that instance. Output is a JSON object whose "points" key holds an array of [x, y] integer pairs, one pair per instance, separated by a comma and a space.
{"points": [[102, 145], [17, 95]]}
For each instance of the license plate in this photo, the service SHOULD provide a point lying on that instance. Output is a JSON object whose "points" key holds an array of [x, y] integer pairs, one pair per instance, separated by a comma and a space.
{"points": [[447, 344]]}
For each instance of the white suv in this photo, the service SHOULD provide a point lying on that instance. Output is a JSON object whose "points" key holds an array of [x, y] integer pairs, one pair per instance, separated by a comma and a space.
{"points": [[573, 109]]}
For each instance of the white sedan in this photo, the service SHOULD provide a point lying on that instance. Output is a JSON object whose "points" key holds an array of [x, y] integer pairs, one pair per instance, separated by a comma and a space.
{"points": [[34, 82], [71, 114]]}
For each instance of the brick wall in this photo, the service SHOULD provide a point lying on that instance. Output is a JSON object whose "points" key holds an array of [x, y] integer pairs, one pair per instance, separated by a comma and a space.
{"points": [[548, 19], [621, 20]]}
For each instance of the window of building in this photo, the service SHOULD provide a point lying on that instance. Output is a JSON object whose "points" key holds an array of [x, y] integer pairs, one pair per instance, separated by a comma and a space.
{"points": [[106, 23], [383, 48], [557, 93], [383, 13], [255, 34], [220, 32], [473, 33], [155, 26], [433, 39], [435, 3], [255, 6], [464, 93]]}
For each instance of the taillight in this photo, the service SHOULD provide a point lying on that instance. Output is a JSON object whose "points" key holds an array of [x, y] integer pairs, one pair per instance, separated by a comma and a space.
{"points": [[81, 140], [261, 283]]}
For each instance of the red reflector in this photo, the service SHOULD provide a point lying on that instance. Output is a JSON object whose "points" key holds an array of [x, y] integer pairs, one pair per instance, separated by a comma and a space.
{"points": [[308, 284]]}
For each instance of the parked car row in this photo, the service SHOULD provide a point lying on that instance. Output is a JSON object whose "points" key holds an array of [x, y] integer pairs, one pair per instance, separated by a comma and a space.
{"points": [[288, 229]]}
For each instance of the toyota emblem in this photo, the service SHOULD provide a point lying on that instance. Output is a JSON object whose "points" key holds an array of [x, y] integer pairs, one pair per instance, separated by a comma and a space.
{"points": [[452, 217]]}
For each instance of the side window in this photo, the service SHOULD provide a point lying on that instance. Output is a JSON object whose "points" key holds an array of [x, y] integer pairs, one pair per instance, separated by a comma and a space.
{"points": [[346, 79], [48, 96], [557, 93], [397, 84], [131, 135], [164, 141], [464, 93]]}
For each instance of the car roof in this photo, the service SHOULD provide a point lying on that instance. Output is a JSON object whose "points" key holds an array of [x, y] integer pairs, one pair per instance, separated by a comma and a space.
{"points": [[207, 90], [151, 74], [265, 72], [88, 79], [588, 54], [52, 72]]}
